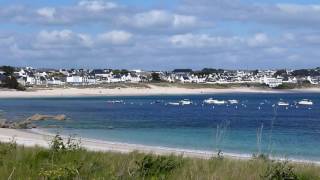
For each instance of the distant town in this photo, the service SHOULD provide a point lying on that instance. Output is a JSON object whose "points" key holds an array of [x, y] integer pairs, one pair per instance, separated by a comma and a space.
{"points": [[22, 77]]}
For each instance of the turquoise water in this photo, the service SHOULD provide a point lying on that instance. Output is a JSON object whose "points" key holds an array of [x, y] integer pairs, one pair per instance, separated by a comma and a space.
{"points": [[292, 132]]}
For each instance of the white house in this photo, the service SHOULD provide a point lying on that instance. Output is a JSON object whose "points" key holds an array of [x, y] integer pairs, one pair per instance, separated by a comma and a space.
{"points": [[272, 82], [55, 81], [75, 80]]}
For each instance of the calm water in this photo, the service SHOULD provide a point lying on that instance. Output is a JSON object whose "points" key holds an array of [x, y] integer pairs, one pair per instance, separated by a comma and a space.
{"points": [[292, 132]]}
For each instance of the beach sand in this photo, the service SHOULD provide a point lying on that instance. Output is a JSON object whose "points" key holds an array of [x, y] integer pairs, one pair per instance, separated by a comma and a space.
{"points": [[36, 137], [153, 90]]}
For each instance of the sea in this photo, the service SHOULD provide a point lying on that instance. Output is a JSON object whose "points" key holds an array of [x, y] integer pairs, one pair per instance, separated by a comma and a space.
{"points": [[255, 125]]}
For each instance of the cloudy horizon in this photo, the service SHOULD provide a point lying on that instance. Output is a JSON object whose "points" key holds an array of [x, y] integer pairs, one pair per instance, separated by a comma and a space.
{"points": [[138, 34]]}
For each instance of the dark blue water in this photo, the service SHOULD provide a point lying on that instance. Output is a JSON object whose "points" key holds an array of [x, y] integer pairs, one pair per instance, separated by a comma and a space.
{"points": [[292, 132]]}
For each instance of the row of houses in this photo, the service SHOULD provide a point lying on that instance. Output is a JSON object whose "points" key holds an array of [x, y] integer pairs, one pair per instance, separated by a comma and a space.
{"points": [[51, 77]]}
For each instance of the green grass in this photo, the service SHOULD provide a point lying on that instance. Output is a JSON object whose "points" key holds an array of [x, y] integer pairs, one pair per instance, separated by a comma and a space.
{"points": [[210, 86], [67, 161]]}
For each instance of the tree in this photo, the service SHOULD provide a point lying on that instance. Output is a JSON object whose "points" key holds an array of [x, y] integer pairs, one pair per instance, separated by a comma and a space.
{"points": [[156, 77], [10, 81], [8, 70]]}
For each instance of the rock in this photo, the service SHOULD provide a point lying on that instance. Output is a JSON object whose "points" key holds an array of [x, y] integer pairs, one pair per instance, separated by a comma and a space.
{"points": [[39, 117], [27, 124]]}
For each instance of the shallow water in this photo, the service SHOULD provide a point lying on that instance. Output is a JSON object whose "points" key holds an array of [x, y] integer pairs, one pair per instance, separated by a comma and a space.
{"points": [[292, 132]]}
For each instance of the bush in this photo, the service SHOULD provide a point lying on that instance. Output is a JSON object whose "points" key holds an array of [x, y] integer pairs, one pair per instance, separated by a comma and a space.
{"points": [[280, 171], [158, 167], [67, 171], [57, 144]]}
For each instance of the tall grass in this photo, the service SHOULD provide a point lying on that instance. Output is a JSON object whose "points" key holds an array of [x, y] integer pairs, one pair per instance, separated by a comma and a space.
{"points": [[66, 162]]}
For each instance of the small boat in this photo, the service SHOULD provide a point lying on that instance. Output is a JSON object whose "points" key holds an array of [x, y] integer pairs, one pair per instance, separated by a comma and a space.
{"points": [[282, 103], [213, 101], [305, 102], [185, 102], [233, 101], [115, 102], [174, 103]]}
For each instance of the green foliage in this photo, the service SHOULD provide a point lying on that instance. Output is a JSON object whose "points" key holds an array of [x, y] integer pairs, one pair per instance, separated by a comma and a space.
{"points": [[155, 77], [120, 72], [57, 144], [286, 86], [60, 172], [158, 167], [261, 156], [280, 171], [8, 70]]}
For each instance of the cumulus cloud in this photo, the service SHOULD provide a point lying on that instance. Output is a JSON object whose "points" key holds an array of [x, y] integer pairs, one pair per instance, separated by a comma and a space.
{"points": [[290, 14], [115, 37], [47, 12], [211, 33], [159, 19], [97, 5], [202, 40]]}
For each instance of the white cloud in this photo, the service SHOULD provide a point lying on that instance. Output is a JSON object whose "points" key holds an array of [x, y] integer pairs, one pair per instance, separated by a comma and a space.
{"points": [[97, 5], [159, 18], [259, 39], [115, 37], [298, 9], [55, 36], [202, 40], [151, 18], [47, 12], [184, 21]]}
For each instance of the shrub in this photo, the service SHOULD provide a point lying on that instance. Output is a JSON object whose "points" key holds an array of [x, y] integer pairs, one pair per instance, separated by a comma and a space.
{"points": [[280, 171], [158, 167], [57, 143], [67, 171], [72, 144]]}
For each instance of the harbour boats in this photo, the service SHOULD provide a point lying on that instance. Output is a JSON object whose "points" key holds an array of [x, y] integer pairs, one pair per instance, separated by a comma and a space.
{"points": [[233, 101], [213, 101], [305, 102], [185, 102], [174, 103], [283, 103]]}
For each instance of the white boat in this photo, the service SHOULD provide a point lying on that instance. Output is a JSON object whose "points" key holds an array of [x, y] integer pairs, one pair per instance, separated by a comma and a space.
{"points": [[282, 103], [174, 103], [233, 101], [213, 101], [185, 102], [305, 102], [115, 102]]}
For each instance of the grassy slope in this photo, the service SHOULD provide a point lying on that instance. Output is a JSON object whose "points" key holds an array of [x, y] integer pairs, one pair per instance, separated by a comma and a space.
{"points": [[37, 163]]}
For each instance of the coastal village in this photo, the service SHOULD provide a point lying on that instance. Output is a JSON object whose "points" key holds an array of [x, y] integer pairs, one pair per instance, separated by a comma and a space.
{"points": [[29, 77]]}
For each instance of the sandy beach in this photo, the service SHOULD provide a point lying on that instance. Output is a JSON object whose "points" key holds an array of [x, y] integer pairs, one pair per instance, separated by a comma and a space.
{"points": [[153, 90], [35, 137]]}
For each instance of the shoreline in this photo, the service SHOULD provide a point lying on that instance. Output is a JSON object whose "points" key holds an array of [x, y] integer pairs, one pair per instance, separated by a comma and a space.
{"points": [[130, 91], [41, 138]]}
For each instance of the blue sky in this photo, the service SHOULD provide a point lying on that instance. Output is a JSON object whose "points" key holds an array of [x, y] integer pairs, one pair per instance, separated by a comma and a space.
{"points": [[166, 34]]}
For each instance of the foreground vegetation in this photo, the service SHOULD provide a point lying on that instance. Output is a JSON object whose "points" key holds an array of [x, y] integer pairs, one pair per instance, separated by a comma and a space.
{"points": [[68, 161]]}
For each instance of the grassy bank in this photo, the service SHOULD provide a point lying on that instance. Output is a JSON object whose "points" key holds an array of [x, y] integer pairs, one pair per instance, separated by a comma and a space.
{"points": [[68, 161]]}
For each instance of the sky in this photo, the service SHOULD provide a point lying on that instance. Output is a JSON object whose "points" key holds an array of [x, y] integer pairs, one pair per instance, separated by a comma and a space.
{"points": [[160, 34]]}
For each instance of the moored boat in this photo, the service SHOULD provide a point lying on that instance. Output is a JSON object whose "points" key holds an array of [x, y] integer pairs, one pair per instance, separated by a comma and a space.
{"points": [[283, 103], [185, 102], [305, 102], [174, 103], [214, 101], [233, 101]]}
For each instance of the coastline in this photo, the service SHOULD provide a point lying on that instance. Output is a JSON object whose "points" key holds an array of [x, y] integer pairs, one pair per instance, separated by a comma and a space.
{"points": [[130, 91], [38, 137]]}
